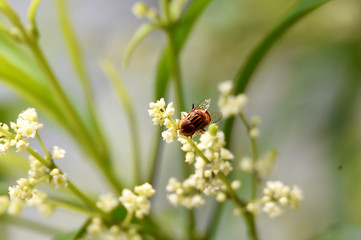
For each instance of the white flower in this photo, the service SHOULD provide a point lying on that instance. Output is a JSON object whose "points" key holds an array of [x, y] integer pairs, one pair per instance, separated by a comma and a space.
{"points": [[225, 87], [139, 202], [140, 9], [4, 146], [128, 200], [159, 113], [22, 145], [47, 210], [246, 164], [145, 190], [232, 105], [253, 208], [96, 227], [58, 153], [29, 115], [190, 157], [15, 208], [236, 184], [37, 199], [254, 133], [107, 202], [60, 180], [4, 203], [221, 197], [272, 209], [169, 135]]}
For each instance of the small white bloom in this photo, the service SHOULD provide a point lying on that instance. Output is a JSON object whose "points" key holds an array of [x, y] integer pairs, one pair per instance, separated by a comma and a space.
{"points": [[47, 210], [145, 190], [272, 209], [255, 120], [225, 87], [173, 199], [107, 202], [169, 135], [22, 145], [221, 197], [60, 181], [15, 208], [253, 208], [140, 9], [58, 153], [37, 199], [128, 200], [197, 200], [4, 203], [246, 164], [190, 157], [96, 227], [254, 133], [236, 184]]}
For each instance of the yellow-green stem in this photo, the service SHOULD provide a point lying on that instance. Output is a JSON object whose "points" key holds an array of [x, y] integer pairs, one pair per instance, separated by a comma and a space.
{"points": [[76, 57], [73, 207], [254, 156]]}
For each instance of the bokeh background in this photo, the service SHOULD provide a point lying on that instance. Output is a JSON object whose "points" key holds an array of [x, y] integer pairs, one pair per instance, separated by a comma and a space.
{"points": [[306, 91]]}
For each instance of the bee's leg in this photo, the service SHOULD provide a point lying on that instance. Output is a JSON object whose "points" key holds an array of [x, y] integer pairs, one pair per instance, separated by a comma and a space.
{"points": [[192, 105]]}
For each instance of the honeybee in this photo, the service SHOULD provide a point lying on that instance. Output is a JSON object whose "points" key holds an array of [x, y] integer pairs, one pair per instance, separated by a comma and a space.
{"points": [[197, 119]]}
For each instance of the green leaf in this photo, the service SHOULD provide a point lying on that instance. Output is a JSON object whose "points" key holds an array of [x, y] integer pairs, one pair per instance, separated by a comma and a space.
{"points": [[119, 213], [181, 31], [247, 69], [138, 36], [19, 71]]}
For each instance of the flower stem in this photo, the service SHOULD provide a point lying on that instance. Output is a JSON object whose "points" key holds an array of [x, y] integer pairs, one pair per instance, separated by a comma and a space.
{"points": [[254, 157], [251, 225], [72, 207], [125, 100]]}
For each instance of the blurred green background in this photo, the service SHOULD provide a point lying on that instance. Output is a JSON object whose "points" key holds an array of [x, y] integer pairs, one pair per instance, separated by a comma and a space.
{"points": [[306, 91]]}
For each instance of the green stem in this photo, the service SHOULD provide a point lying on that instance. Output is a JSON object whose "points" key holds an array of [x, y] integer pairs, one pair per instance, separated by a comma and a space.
{"points": [[72, 207], [30, 224], [127, 219], [47, 154], [31, 15], [76, 57], [175, 70], [249, 219], [254, 157], [71, 186], [154, 155], [124, 98]]}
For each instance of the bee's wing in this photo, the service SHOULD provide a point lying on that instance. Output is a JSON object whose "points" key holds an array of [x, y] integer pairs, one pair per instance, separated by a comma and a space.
{"points": [[204, 104], [215, 116]]}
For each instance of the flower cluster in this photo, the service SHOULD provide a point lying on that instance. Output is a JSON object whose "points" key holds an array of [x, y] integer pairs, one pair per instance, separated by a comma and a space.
{"points": [[20, 197], [137, 202], [59, 179], [213, 160], [276, 193], [26, 127], [141, 10], [162, 116], [107, 202], [98, 230], [25, 193], [228, 104]]}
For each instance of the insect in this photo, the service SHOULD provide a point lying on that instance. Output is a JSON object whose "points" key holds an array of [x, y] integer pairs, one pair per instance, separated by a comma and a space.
{"points": [[197, 119]]}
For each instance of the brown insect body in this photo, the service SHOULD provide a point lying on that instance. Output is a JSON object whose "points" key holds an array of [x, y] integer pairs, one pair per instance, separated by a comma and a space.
{"points": [[197, 119]]}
